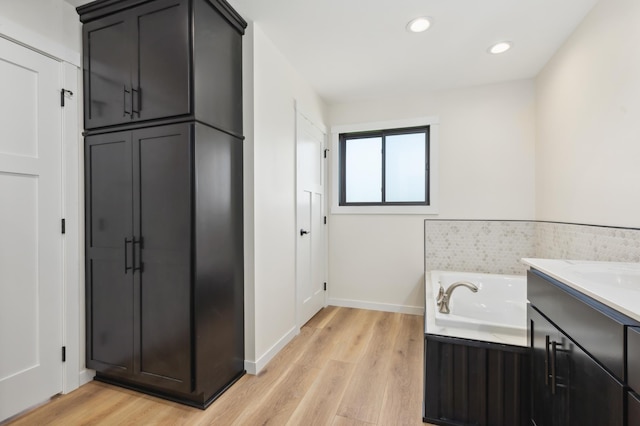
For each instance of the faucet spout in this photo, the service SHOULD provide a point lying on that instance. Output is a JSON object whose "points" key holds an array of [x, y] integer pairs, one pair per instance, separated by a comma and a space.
{"points": [[444, 296]]}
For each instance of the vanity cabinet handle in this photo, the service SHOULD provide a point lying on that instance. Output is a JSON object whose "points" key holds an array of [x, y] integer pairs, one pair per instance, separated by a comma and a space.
{"points": [[546, 361], [553, 367]]}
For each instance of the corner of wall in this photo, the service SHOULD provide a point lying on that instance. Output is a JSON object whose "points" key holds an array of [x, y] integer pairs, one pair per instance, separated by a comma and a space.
{"points": [[248, 190]]}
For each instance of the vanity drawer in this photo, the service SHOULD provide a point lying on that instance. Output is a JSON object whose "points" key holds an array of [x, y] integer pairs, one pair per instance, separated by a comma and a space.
{"points": [[633, 357], [595, 327]]}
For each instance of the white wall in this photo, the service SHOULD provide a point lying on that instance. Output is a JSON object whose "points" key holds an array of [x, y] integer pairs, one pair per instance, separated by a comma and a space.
{"points": [[55, 21], [588, 122], [275, 86], [486, 144]]}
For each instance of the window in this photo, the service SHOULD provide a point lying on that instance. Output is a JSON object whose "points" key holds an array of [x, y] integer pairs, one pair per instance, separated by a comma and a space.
{"points": [[385, 167]]}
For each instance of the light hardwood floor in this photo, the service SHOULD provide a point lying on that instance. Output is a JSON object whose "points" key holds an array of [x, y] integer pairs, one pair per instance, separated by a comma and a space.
{"points": [[346, 367]]}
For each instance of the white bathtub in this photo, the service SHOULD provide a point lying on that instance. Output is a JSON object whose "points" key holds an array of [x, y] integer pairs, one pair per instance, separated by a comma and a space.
{"points": [[498, 309]]}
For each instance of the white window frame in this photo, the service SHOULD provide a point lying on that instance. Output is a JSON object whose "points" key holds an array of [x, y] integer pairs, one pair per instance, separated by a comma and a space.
{"points": [[431, 209]]}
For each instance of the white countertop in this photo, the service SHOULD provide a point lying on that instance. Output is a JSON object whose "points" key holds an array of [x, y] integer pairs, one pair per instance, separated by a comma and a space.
{"points": [[616, 284]]}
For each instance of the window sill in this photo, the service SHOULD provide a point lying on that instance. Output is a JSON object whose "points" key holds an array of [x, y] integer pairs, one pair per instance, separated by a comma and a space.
{"points": [[419, 210]]}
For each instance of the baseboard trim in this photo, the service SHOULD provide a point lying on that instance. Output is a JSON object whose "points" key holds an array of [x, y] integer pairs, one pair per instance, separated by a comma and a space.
{"points": [[85, 376], [375, 306], [254, 367]]}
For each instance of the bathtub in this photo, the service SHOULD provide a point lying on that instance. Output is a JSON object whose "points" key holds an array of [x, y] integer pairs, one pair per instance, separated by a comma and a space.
{"points": [[497, 312]]}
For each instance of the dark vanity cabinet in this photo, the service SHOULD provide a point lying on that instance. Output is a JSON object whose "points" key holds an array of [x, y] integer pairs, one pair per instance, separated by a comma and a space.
{"points": [[633, 360], [163, 196], [569, 387], [578, 369]]}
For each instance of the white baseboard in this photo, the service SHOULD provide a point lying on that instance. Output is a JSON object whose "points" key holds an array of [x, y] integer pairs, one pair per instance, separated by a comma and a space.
{"points": [[375, 306], [86, 376], [254, 367]]}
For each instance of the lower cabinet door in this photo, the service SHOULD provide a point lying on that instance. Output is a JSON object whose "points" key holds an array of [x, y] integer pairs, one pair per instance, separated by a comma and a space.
{"points": [[548, 382], [109, 267], [633, 409], [162, 212], [595, 396], [138, 251], [568, 386]]}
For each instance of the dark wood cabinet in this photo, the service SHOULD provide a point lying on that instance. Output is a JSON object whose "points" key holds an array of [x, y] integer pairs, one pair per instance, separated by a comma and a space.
{"points": [[163, 196], [547, 406], [139, 211], [137, 64], [162, 59], [569, 385], [469, 382]]}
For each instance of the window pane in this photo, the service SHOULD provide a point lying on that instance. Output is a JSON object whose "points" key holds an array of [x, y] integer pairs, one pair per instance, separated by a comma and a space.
{"points": [[363, 170], [405, 168]]}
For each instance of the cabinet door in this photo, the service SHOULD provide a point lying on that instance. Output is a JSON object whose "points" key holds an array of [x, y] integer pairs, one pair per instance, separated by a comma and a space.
{"points": [[161, 76], [548, 392], [595, 397], [137, 64], [162, 206], [569, 387], [633, 409], [109, 261], [107, 45]]}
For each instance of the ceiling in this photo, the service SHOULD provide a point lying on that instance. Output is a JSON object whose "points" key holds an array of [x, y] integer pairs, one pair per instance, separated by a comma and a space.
{"points": [[355, 50]]}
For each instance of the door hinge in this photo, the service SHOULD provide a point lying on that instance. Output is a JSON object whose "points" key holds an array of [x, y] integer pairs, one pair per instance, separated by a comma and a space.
{"points": [[64, 226], [63, 92], [325, 286], [64, 354], [325, 220], [325, 153]]}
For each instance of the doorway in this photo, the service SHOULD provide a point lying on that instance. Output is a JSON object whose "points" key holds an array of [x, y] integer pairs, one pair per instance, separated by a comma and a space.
{"points": [[310, 219]]}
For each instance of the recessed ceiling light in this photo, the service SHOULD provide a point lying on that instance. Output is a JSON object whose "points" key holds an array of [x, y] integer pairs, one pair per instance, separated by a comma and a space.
{"points": [[419, 25], [501, 47]]}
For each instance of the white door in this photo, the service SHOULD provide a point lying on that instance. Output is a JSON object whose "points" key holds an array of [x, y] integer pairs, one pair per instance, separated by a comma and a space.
{"points": [[310, 248], [30, 236]]}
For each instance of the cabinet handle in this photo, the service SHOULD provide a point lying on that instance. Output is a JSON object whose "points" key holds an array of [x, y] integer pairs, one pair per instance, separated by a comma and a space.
{"points": [[138, 98], [124, 101], [553, 368], [126, 255], [546, 361], [140, 266]]}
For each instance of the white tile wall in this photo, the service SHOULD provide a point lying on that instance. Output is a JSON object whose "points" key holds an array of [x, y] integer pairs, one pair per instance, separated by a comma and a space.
{"points": [[584, 242], [478, 246], [498, 246]]}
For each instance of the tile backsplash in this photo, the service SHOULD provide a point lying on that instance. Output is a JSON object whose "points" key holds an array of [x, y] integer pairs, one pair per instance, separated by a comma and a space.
{"points": [[498, 246], [584, 242], [478, 245]]}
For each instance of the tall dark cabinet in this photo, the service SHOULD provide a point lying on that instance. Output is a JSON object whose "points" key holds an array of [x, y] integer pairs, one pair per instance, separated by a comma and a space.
{"points": [[163, 197]]}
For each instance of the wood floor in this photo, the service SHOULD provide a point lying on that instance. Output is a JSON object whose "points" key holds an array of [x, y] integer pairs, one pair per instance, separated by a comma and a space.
{"points": [[346, 367]]}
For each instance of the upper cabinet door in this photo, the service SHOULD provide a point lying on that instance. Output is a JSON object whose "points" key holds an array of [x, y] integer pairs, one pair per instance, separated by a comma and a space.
{"points": [[107, 71], [161, 78], [137, 64]]}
